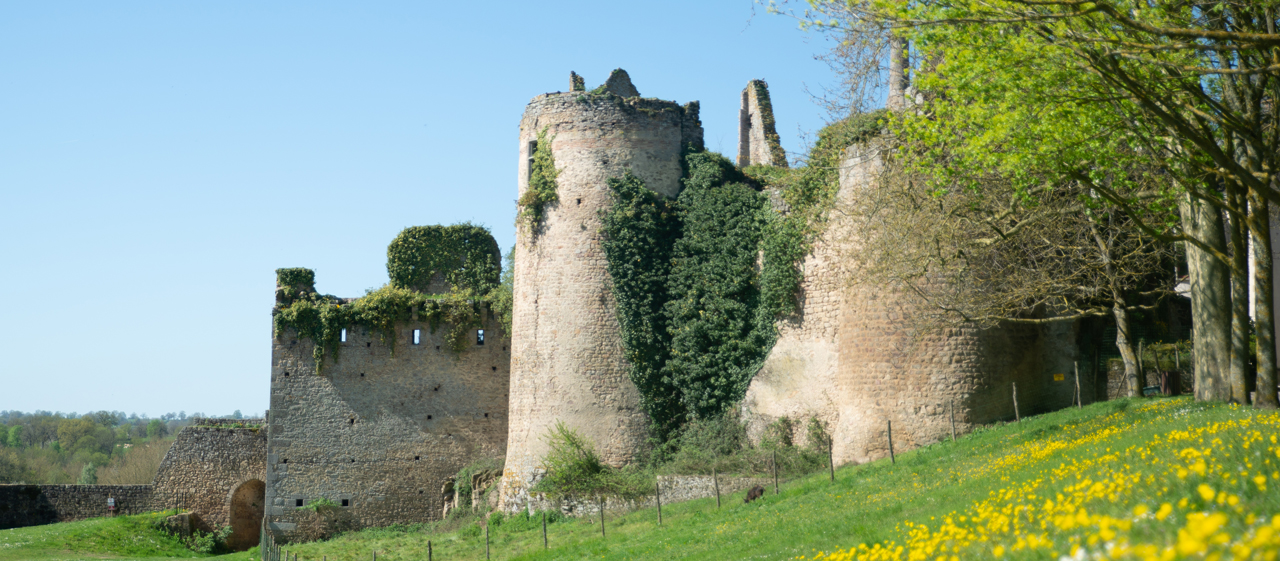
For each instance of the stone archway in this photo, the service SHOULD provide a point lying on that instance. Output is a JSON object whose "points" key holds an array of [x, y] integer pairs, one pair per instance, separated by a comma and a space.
{"points": [[248, 504]]}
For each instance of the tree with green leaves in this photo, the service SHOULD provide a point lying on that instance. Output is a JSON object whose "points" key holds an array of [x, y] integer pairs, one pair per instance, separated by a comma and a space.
{"points": [[1187, 89]]}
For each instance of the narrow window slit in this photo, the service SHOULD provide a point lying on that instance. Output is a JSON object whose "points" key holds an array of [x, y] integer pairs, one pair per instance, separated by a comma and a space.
{"points": [[346, 502], [297, 502], [479, 336], [417, 336], [343, 335]]}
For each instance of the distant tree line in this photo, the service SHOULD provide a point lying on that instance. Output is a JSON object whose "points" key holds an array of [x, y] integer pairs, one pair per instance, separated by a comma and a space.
{"points": [[48, 447]]}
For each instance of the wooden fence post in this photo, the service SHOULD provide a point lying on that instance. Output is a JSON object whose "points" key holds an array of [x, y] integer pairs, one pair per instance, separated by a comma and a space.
{"points": [[715, 480], [428, 550], [890, 425], [657, 493], [774, 463], [486, 539], [601, 499], [1079, 394], [831, 456], [544, 530], [951, 408], [1142, 372], [1016, 416]]}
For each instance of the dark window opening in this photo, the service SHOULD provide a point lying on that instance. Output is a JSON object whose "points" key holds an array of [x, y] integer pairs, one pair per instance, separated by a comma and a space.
{"points": [[486, 415], [419, 491], [284, 461], [362, 374], [417, 336], [479, 336], [370, 344], [297, 502], [495, 368], [353, 460], [579, 201], [436, 389], [344, 335], [346, 502], [416, 458], [428, 418], [286, 373], [351, 421], [437, 347]]}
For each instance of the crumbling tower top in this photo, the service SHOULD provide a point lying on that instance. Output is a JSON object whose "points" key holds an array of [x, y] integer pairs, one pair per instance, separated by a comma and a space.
{"points": [[758, 142]]}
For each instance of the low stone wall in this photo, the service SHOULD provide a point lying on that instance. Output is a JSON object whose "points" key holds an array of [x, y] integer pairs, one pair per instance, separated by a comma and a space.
{"points": [[32, 505], [675, 489]]}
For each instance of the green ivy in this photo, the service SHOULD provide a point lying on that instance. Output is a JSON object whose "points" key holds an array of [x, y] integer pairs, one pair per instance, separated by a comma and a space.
{"points": [[720, 334], [640, 230], [807, 194], [322, 318], [542, 184], [463, 255], [294, 282], [684, 276]]}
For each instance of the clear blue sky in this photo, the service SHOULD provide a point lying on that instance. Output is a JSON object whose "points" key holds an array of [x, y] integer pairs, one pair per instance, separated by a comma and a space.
{"points": [[159, 160]]}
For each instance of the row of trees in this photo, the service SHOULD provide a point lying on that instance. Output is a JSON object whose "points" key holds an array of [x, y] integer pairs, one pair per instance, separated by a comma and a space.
{"points": [[1053, 159], [45, 447]]}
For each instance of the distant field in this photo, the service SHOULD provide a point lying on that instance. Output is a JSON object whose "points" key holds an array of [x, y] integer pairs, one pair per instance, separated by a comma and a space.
{"points": [[1129, 479]]}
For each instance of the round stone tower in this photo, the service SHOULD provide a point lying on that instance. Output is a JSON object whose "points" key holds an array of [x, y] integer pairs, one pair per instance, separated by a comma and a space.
{"points": [[567, 360]]}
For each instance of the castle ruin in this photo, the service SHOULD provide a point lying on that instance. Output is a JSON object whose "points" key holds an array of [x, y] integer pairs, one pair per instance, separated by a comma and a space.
{"points": [[376, 427]]}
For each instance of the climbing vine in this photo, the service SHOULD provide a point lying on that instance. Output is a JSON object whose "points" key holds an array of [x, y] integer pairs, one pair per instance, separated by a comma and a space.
{"points": [[696, 303], [684, 276], [542, 184], [640, 230], [463, 255], [807, 194], [719, 333]]}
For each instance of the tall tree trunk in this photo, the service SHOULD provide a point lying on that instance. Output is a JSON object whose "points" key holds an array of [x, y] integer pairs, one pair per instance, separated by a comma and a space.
{"points": [[1239, 301], [1263, 300], [899, 61], [1125, 338], [1125, 342], [1210, 300]]}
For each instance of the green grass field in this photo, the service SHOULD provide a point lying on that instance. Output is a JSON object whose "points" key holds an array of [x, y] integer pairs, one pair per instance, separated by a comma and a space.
{"points": [[1129, 479]]}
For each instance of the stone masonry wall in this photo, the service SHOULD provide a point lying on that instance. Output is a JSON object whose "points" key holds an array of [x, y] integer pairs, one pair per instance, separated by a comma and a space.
{"points": [[378, 433], [32, 505], [755, 128], [567, 362], [850, 358], [675, 489], [206, 466]]}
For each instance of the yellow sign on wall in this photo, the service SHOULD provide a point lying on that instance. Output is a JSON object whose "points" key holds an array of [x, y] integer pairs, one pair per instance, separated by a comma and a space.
{"points": [[1059, 377]]}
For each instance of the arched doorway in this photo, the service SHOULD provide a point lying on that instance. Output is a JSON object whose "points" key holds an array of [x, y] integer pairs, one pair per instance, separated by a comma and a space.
{"points": [[247, 507]]}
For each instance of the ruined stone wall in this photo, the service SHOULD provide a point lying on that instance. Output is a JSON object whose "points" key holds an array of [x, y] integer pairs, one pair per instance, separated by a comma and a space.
{"points": [[567, 360], [32, 505], [379, 433], [758, 141], [850, 358], [207, 464]]}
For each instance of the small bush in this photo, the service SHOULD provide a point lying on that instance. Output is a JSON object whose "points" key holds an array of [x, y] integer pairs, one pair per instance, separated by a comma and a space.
{"points": [[574, 469]]}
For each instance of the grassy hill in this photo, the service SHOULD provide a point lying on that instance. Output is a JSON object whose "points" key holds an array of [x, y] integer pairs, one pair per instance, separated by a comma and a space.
{"points": [[1129, 479]]}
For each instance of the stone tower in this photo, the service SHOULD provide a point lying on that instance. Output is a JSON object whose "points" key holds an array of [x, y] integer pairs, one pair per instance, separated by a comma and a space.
{"points": [[567, 360], [758, 142]]}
